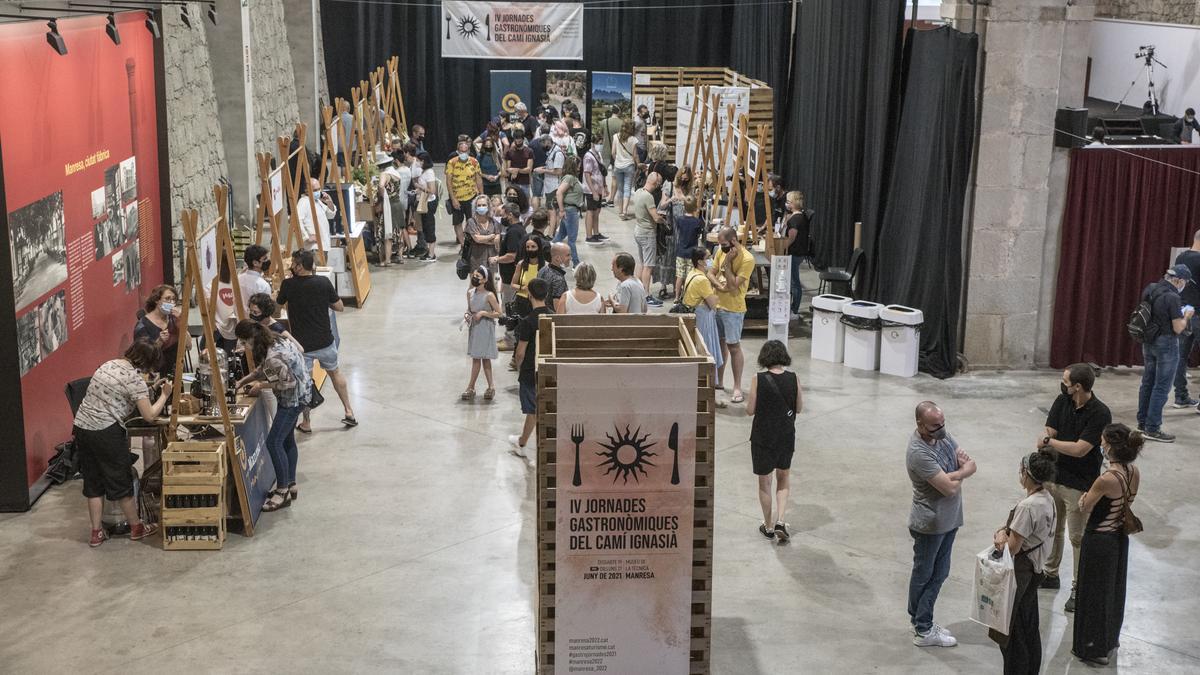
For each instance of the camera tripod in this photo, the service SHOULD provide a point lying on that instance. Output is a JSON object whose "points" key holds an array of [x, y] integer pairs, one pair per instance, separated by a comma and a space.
{"points": [[1146, 53]]}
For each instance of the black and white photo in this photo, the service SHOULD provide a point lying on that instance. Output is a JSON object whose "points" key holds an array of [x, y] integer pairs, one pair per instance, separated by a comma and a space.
{"points": [[37, 233], [127, 180], [98, 203], [41, 331]]}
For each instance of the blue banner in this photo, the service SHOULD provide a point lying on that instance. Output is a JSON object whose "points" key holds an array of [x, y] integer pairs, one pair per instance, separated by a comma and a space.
{"points": [[510, 87]]}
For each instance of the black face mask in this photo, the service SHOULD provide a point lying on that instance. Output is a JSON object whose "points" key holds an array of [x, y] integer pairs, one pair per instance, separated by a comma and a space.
{"points": [[1063, 388], [255, 317], [727, 247], [514, 200], [475, 281], [266, 266]]}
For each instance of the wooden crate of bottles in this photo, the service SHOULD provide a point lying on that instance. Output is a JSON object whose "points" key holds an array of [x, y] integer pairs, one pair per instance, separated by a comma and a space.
{"points": [[193, 496]]}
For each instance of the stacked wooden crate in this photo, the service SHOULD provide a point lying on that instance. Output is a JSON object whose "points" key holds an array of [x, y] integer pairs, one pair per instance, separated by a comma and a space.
{"points": [[193, 496]]}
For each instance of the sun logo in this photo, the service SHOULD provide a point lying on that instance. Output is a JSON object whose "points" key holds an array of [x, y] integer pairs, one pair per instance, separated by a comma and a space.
{"points": [[468, 26], [627, 454]]}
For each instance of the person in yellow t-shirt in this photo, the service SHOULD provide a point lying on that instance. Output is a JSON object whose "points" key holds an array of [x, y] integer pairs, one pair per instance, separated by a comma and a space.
{"points": [[730, 274], [465, 182], [698, 293]]}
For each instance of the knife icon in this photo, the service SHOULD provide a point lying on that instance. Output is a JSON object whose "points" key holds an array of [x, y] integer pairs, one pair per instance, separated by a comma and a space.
{"points": [[673, 443]]}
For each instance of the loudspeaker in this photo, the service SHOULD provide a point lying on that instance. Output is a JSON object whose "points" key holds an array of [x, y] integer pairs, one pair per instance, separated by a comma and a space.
{"points": [[1070, 127]]}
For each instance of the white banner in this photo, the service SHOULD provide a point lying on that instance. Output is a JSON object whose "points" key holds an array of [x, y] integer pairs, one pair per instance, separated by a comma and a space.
{"points": [[511, 30]]}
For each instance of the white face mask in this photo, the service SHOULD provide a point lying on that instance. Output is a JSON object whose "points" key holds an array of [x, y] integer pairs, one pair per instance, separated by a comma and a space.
{"points": [[481, 210], [167, 307]]}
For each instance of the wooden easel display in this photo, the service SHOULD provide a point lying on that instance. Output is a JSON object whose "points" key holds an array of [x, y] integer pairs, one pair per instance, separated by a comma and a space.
{"points": [[394, 98], [227, 255], [192, 284], [291, 187], [268, 218]]}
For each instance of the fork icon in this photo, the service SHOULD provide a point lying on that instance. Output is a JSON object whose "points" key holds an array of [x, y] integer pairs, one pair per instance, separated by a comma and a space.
{"points": [[577, 439]]}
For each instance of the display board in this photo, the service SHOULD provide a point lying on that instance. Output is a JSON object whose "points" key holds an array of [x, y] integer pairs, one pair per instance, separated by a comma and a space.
{"points": [[82, 211], [511, 30], [568, 85], [608, 90], [738, 97], [510, 87]]}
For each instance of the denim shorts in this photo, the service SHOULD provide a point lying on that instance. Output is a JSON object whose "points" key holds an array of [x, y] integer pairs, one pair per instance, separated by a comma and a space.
{"points": [[528, 398], [625, 180], [328, 357], [536, 183], [729, 326]]}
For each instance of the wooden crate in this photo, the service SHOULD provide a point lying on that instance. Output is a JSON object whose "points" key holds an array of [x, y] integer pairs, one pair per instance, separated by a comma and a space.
{"points": [[663, 84], [194, 463], [194, 468], [624, 339]]}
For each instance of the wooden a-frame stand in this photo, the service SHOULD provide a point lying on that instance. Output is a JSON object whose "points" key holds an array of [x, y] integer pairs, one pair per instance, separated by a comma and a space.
{"points": [[192, 284], [291, 186], [268, 218]]}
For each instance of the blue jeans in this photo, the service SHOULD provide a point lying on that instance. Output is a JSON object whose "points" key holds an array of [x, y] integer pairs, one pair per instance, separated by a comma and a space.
{"points": [[1187, 341], [625, 181], [281, 444], [568, 229], [1160, 358], [931, 566], [797, 287]]}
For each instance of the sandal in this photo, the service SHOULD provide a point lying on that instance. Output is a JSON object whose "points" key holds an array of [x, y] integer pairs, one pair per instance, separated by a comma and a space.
{"points": [[489, 394], [304, 430], [468, 395], [349, 421], [279, 499], [738, 398], [293, 492]]}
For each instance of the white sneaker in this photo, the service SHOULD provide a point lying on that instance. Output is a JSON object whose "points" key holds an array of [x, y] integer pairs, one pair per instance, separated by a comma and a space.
{"points": [[517, 449], [936, 637]]}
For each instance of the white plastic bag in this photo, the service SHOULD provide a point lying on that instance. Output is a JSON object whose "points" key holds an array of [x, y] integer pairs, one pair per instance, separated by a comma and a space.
{"points": [[995, 589]]}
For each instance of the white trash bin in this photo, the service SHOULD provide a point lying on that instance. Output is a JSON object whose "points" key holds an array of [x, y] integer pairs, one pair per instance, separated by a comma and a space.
{"points": [[828, 333], [861, 320], [900, 329]]}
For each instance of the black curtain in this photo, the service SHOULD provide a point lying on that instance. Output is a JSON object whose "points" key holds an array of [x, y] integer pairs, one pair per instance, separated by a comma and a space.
{"points": [[920, 262], [844, 87], [450, 96]]}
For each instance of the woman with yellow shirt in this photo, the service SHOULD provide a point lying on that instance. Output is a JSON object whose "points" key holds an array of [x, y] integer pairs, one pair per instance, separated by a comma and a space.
{"points": [[698, 293]]}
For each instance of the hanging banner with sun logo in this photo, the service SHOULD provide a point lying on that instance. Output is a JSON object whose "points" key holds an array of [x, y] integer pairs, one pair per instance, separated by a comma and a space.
{"points": [[512, 30], [626, 459]]}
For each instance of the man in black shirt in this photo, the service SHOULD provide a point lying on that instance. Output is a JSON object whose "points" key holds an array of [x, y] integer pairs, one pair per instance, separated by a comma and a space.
{"points": [[555, 273], [1073, 429], [526, 355], [1160, 351], [510, 247], [309, 298], [1187, 339]]}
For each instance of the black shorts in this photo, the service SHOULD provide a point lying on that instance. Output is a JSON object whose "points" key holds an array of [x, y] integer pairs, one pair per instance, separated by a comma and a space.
{"points": [[463, 212], [592, 204], [429, 224], [105, 462], [767, 459]]}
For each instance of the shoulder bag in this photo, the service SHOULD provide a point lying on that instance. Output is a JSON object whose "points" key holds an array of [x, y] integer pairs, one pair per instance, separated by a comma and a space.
{"points": [[679, 307], [791, 412]]}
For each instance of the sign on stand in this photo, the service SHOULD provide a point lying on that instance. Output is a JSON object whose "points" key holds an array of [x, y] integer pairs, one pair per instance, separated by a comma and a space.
{"points": [[512, 30], [779, 305]]}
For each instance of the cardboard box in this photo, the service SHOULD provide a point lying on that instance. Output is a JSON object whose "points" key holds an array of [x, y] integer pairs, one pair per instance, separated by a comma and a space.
{"points": [[336, 257], [344, 284]]}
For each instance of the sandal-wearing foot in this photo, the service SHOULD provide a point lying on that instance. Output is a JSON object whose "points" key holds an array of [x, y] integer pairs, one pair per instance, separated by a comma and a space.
{"points": [[489, 394], [293, 492], [141, 531], [98, 537], [738, 398], [303, 429], [722, 404], [279, 499], [349, 421], [769, 534], [781, 532], [468, 395]]}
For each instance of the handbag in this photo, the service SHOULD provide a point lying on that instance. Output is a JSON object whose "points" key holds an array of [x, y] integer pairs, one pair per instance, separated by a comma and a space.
{"points": [[679, 307], [995, 589], [423, 203], [315, 399], [462, 266], [1130, 524]]}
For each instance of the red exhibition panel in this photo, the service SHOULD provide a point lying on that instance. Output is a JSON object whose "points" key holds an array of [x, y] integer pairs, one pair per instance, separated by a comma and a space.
{"points": [[79, 139]]}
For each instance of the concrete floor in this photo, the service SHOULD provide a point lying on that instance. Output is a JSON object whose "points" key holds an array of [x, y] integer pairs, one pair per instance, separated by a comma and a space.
{"points": [[412, 548]]}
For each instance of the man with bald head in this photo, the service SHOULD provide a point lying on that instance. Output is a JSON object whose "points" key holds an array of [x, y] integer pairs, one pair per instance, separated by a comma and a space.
{"points": [[555, 274], [645, 231], [313, 225], [937, 467], [730, 276]]}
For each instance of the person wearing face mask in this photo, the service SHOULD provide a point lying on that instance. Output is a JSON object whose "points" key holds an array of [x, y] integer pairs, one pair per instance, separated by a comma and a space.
{"points": [[937, 467], [1160, 351], [1185, 125], [516, 196], [570, 200], [465, 181], [116, 390], [490, 166], [640, 123], [1030, 525], [555, 273], [730, 274], [1073, 428], [518, 163], [418, 138], [775, 400], [160, 327], [280, 367], [1105, 559], [483, 236], [511, 244], [698, 294], [253, 280], [483, 308]]}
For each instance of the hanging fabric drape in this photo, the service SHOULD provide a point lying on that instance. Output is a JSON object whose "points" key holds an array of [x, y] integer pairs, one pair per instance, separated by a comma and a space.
{"points": [[1125, 209]]}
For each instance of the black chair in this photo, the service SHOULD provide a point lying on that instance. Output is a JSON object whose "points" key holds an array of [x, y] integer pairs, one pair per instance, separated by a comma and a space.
{"points": [[75, 391], [840, 280]]}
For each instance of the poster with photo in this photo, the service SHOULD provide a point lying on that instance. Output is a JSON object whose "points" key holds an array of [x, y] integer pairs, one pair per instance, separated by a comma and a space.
{"points": [[38, 248], [624, 512], [118, 268], [41, 331], [127, 179], [98, 203], [131, 221], [132, 261], [608, 90], [568, 90]]}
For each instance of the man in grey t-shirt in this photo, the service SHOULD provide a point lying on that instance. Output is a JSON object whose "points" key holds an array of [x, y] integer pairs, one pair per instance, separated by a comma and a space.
{"points": [[630, 297], [937, 467]]}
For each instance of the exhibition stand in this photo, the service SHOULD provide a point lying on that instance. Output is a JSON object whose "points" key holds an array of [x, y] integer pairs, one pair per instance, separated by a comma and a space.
{"points": [[625, 446]]}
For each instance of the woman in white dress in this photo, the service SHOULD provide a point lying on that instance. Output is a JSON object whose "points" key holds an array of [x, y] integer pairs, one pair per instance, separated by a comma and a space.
{"points": [[582, 299]]}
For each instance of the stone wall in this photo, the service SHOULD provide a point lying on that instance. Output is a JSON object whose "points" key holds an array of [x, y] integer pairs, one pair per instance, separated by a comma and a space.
{"points": [[1161, 11], [275, 108], [193, 132]]}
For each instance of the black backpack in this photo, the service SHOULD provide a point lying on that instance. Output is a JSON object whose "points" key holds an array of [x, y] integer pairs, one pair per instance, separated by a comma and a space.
{"points": [[1141, 325]]}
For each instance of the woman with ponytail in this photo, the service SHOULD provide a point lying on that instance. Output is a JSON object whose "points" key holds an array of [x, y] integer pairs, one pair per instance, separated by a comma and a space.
{"points": [[1104, 553], [281, 369], [1029, 528]]}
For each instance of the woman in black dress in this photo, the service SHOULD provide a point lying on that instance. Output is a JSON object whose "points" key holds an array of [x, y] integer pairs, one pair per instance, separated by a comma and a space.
{"points": [[1104, 551], [774, 401]]}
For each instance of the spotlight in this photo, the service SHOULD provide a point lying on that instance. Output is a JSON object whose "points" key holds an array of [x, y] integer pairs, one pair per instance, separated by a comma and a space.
{"points": [[152, 26], [212, 12], [185, 16], [54, 39], [111, 29]]}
